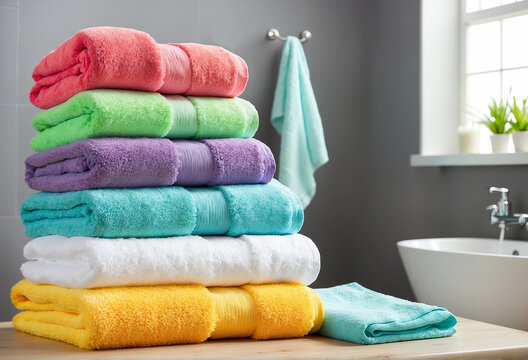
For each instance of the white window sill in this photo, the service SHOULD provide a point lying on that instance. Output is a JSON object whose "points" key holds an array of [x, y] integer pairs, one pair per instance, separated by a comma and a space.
{"points": [[418, 160]]}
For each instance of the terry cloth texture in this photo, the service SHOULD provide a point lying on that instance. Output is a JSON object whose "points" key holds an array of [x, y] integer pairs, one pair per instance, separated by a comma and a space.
{"points": [[356, 314], [296, 117], [160, 315], [143, 162], [84, 262], [122, 113], [121, 58], [233, 210]]}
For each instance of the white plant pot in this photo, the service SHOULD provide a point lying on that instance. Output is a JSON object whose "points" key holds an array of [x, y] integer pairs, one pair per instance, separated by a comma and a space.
{"points": [[520, 141], [500, 143]]}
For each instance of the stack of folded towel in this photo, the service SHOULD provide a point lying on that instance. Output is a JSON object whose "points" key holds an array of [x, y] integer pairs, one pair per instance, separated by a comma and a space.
{"points": [[121, 221], [141, 239]]}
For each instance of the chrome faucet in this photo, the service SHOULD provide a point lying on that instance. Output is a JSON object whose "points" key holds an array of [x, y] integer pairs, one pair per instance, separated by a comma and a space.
{"points": [[501, 213]]}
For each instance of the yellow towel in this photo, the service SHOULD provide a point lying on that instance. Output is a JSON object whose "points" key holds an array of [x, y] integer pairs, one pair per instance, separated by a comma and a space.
{"points": [[158, 315]]}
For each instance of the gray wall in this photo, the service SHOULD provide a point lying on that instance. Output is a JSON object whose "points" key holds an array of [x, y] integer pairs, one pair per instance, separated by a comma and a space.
{"points": [[396, 201], [364, 60]]}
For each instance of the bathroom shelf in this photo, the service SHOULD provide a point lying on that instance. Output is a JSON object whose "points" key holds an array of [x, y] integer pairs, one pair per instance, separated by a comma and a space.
{"points": [[418, 160], [473, 340]]}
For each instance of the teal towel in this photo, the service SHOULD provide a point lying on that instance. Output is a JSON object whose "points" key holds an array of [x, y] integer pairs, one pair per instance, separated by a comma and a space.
{"points": [[232, 210], [356, 314], [296, 117]]}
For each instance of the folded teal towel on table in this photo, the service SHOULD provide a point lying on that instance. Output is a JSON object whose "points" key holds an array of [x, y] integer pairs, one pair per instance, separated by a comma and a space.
{"points": [[233, 210], [296, 117], [356, 314]]}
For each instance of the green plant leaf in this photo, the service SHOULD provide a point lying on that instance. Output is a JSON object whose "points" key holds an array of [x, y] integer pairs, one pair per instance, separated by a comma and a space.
{"points": [[497, 118], [520, 116]]}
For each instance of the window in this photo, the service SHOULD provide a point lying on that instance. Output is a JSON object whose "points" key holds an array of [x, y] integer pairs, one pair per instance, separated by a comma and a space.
{"points": [[471, 51], [495, 58], [476, 5]]}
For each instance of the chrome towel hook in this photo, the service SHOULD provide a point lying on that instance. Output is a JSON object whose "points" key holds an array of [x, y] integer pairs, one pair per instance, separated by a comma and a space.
{"points": [[273, 34]]}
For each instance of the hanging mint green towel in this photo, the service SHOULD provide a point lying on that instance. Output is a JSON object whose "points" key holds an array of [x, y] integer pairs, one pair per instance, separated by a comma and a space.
{"points": [[296, 117], [356, 314]]}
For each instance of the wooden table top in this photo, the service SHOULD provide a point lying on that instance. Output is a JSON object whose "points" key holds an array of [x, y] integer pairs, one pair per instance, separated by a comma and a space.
{"points": [[474, 340]]}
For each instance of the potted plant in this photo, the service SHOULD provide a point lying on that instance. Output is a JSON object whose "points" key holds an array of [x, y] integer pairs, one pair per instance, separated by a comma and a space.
{"points": [[519, 124], [497, 122]]}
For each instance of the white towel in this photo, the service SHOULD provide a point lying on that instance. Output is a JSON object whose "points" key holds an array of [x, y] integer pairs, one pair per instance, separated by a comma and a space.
{"points": [[85, 262]]}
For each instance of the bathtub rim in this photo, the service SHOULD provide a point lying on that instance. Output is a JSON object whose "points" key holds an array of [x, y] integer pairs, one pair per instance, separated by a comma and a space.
{"points": [[411, 244]]}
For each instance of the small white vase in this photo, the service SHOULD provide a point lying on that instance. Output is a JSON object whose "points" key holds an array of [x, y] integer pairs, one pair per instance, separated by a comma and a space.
{"points": [[500, 143], [520, 141]]}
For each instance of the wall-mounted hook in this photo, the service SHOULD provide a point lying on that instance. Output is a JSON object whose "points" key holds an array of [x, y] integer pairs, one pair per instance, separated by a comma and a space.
{"points": [[273, 34]]}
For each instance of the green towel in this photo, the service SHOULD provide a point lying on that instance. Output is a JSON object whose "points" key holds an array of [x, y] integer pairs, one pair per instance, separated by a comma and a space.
{"points": [[123, 113], [356, 314], [296, 117]]}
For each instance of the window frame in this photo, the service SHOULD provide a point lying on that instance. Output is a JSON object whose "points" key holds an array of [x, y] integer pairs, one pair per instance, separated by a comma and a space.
{"points": [[442, 75], [479, 17]]}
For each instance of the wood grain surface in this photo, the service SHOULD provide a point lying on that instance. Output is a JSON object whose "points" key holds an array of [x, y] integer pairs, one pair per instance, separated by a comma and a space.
{"points": [[474, 340]]}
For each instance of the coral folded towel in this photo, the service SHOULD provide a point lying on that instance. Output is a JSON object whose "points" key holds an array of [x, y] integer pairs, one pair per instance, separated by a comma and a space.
{"points": [[121, 58], [356, 314], [122, 113], [84, 262], [233, 210], [143, 162], [119, 317]]}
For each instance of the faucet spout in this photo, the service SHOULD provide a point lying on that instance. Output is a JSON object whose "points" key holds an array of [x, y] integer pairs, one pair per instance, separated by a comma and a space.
{"points": [[501, 212], [508, 220]]}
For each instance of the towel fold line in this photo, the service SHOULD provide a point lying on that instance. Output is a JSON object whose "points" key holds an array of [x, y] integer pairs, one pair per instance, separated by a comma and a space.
{"points": [[160, 212], [88, 262], [356, 314], [160, 315], [143, 162], [121, 58], [122, 113]]}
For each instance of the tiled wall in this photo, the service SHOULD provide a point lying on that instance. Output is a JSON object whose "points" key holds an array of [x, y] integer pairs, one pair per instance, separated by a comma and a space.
{"points": [[15, 132], [29, 29], [364, 66]]}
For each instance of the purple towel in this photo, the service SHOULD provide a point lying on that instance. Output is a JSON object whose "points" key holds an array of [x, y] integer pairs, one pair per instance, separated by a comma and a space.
{"points": [[124, 162]]}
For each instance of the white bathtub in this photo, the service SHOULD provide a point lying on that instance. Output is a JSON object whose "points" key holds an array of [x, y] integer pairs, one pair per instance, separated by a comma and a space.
{"points": [[469, 278]]}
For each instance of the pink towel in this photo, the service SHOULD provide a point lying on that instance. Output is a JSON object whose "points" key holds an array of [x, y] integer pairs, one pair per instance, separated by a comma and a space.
{"points": [[121, 58]]}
